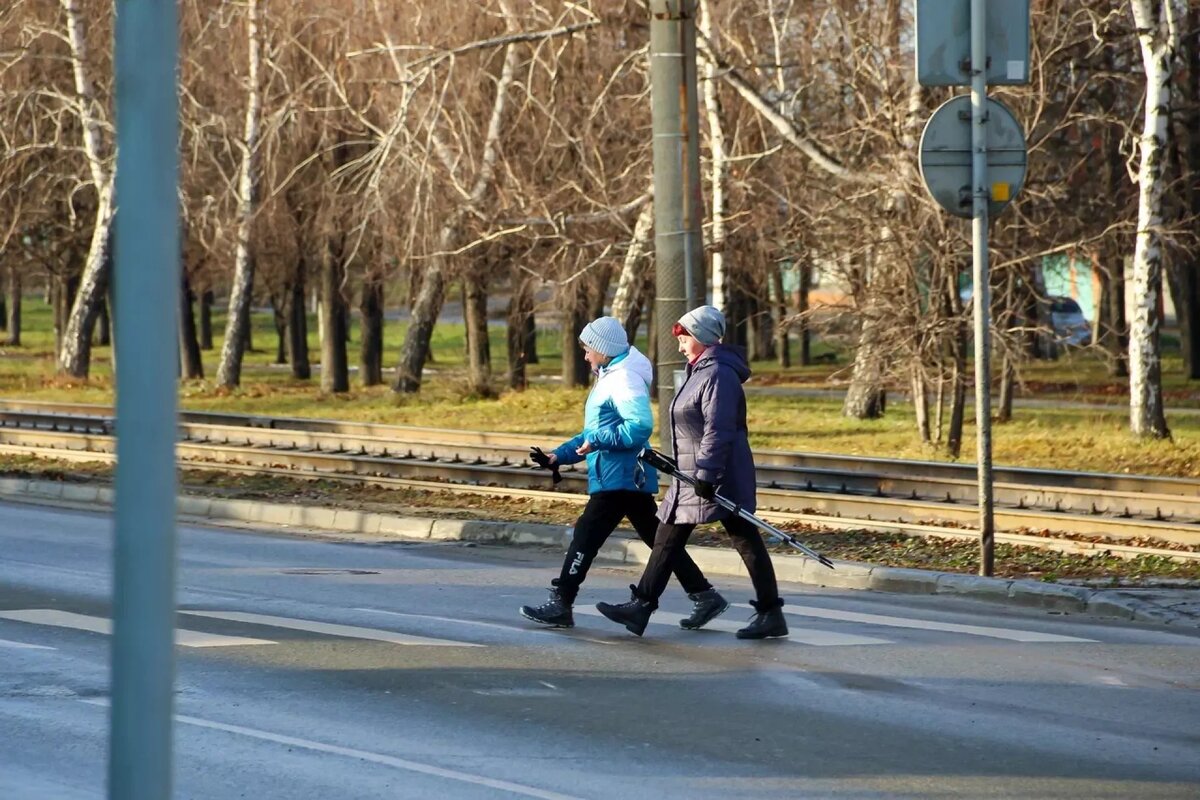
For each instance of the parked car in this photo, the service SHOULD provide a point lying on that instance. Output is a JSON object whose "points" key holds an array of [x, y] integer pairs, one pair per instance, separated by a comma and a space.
{"points": [[1071, 327]]}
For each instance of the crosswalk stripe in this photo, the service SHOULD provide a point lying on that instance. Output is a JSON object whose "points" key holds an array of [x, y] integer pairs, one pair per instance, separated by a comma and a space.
{"points": [[330, 629], [810, 636], [1011, 634], [23, 645], [528, 628], [83, 622]]}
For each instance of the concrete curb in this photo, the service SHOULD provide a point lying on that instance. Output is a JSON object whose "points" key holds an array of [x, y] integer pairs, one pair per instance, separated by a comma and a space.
{"points": [[718, 561]]}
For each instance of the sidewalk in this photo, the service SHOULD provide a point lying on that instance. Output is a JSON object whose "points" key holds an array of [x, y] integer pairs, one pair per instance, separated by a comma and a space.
{"points": [[1167, 606]]}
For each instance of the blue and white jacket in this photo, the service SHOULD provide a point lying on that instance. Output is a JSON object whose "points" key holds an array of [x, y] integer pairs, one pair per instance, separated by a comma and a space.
{"points": [[617, 420]]}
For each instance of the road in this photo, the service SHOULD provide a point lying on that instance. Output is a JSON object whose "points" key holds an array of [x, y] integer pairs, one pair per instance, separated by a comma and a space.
{"points": [[312, 668]]}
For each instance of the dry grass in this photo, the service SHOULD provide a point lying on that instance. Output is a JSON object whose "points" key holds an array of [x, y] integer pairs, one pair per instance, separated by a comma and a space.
{"points": [[896, 550], [1094, 439]]}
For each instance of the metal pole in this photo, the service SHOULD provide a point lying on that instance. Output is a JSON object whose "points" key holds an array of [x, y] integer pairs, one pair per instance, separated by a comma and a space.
{"points": [[147, 288], [981, 291], [678, 249]]}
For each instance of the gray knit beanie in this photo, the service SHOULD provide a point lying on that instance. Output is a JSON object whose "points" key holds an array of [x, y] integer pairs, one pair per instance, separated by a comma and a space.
{"points": [[606, 336], [706, 323]]}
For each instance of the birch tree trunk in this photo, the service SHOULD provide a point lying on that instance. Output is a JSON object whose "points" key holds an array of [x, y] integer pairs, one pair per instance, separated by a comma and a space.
{"points": [[718, 165], [415, 349], [1158, 23], [237, 325], [631, 285], [866, 398], [75, 352], [920, 399]]}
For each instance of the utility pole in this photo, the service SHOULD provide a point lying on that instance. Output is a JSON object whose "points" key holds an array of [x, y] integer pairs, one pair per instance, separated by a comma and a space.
{"points": [[147, 307], [678, 208]]}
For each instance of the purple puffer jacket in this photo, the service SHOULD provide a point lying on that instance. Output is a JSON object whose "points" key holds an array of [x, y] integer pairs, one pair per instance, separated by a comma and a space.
{"points": [[708, 425]]}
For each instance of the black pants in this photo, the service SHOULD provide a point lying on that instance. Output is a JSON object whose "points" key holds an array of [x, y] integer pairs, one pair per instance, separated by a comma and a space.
{"points": [[669, 546], [604, 511]]}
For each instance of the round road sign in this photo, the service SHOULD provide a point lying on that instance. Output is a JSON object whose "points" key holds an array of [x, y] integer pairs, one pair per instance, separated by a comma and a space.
{"points": [[946, 156]]}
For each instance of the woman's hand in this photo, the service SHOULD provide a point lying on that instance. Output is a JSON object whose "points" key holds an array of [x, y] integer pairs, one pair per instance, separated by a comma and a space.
{"points": [[587, 448]]}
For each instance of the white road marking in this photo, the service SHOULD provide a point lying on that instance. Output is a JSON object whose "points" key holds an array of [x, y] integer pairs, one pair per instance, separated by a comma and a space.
{"points": [[23, 645], [1010, 634], [541, 631], [330, 628], [795, 635], [83, 622], [364, 755], [477, 623]]}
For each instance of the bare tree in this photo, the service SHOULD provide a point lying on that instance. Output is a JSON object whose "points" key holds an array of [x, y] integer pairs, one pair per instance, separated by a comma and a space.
{"points": [[237, 325], [428, 303], [75, 353], [1158, 29]]}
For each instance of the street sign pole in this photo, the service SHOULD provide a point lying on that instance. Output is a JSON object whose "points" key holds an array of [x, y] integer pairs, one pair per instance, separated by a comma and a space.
{"points": [[981, 291], [146, 278], [959, 45]]}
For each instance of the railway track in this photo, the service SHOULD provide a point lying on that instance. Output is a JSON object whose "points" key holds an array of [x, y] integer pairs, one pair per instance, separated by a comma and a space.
{"points": [[839, 490]]}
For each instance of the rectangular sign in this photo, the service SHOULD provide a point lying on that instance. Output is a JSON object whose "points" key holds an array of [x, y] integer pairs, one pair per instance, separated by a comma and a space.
{"points": [[944, 42]]}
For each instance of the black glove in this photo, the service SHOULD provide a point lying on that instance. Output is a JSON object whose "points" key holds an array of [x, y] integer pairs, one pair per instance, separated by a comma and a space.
{"points": [[542, 460], [705, 489]]}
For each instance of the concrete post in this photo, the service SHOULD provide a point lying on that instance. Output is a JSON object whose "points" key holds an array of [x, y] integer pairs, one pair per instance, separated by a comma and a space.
{"points": [[678, 208]]}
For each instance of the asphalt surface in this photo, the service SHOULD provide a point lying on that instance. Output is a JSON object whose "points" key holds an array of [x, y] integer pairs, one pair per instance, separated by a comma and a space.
{"points": [[311, 668]]}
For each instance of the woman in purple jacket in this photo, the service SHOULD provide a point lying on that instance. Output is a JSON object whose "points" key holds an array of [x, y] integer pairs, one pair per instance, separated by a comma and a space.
{"points": [[709, 437]]}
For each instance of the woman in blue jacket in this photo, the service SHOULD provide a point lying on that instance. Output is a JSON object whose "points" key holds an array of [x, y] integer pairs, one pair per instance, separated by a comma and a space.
{"points": [[617, 423], [710, 442]]}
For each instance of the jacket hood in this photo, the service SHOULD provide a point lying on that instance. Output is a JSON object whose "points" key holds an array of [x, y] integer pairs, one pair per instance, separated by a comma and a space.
{"points": [[635, 363], [729, 355]]}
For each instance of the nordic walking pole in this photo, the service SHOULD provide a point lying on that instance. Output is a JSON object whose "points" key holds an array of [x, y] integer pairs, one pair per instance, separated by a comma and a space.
{"points": [[666, 464]]}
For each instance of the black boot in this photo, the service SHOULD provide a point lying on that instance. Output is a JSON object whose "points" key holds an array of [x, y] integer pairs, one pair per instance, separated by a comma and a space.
{"points": [[708, 605], [767, 624], [634, 615], [555, 612]]}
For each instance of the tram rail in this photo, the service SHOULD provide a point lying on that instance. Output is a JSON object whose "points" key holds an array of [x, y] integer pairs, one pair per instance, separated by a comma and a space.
{"points": [[881, 492]]}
